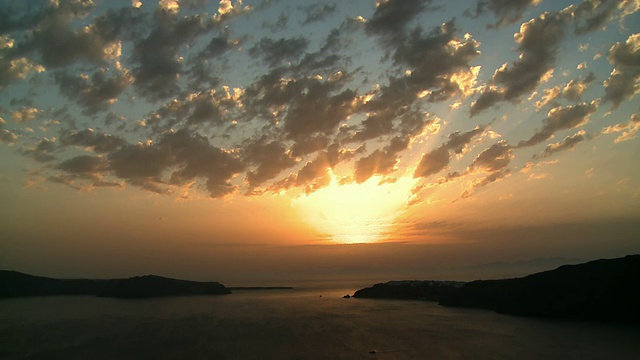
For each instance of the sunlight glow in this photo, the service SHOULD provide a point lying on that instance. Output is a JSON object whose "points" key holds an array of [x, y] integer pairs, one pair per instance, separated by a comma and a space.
{"points": [[355, 213]]}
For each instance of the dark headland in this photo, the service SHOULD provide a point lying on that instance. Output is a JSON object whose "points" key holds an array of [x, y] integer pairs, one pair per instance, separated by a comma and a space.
{"points": [[603, 290], [16, 284]]}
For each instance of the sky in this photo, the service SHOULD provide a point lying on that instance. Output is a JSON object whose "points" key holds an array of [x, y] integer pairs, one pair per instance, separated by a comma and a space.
{"points": [[273, 139]]}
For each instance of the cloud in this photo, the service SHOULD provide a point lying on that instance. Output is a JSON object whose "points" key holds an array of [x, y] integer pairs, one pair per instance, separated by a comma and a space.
{"points": [[569, 142], [156, 61], [98, 142], [317, 12], [229, 9], [318, 110], [435, 66], [84, 164], [177, 159], [25, 114], [284, 110], [7, 136], [572, 91], [538, 42], [495, 158], [274, 52], [270, 159], [380, 161], [629, 129], [623, 82], [12, 70], [592, 15], [96, 92], [277, 25], [506, 11], [561, 118], [392, 17], [433, 162], [43, 152], [438, 159]]}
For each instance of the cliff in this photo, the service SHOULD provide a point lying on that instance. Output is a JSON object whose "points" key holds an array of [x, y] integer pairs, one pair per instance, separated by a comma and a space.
{"points": [[605, 290], [597, 290], [409, 289]]}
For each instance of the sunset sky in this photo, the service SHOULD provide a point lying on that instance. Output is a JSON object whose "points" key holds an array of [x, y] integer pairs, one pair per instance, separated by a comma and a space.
{"points": [[279, 139]]}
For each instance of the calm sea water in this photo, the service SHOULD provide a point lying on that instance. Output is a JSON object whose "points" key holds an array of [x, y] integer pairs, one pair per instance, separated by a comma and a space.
{"points": [[310, 322]]}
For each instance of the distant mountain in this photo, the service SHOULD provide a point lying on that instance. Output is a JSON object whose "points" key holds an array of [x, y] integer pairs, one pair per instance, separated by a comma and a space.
{"points": [[597, 290], [16, 284]]}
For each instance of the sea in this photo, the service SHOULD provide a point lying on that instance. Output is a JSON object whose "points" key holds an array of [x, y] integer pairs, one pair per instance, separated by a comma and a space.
{"points": [[311, 321]]}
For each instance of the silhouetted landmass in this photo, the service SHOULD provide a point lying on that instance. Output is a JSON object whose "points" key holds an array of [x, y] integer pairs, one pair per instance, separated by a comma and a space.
{"points": [[16, 284], [410, 289], [597, 290], [604, 290], [157, 286]]}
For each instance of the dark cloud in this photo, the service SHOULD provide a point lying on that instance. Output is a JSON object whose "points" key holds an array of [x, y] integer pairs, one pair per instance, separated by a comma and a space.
{"points": [[495, 158], [392, 17], [592, 15], [623, 82], [318, 110], [184, 156], [7, 136], [375, 125], [277, 25], [276, 52], [156, 58], [313, 176], [378, 162], [433, 162], [84, 164], [381, 161], [567, 143], [309, 146], [438, 67], [438, 159], [317, 12], [98, 142], [20, 15], [270, 159], [458, 142], [43, 152], [561, 118], [538, 43], [494, 161], [506, 11], [94, 93]]}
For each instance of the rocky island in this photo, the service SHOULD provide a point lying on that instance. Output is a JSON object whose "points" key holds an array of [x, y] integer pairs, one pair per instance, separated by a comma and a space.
{"points": [[16, 284], [603, 290]]}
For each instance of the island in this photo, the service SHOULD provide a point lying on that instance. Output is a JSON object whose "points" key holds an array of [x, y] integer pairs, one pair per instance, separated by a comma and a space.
{"points": [[16, 284], [601, 290], [158, 286]]}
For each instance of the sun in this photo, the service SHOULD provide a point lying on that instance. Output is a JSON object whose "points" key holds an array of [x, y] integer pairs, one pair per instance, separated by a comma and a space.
{"points": [[355, 213]]}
